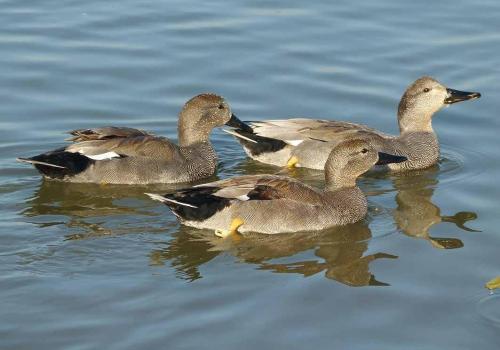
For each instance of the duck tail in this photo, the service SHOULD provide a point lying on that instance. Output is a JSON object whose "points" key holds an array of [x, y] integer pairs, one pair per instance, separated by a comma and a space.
{"points": [[193, 204], [37, 162], [238, 135], [255, 144], [162, 199], [59, 163]]}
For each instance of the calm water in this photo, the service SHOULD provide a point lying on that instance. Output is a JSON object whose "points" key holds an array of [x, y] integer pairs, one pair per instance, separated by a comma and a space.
{"points": [[87, 267]]}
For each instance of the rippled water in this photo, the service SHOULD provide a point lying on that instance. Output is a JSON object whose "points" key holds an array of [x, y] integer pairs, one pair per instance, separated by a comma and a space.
{"points": [[87, 266]]}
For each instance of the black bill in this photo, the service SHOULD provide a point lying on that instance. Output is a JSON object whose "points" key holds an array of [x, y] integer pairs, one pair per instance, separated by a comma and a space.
{"points": [[386, 158], [455, 96], [234, 122]]}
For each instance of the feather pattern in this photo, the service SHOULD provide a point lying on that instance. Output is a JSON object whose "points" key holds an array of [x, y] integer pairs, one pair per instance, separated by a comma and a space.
{"points": [[294, 130], [106, 132], [259, 187], [141, 146]]}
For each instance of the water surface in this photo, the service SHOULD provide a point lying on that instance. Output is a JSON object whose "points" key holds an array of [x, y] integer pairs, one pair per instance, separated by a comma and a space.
{"points": [[88, 266]]}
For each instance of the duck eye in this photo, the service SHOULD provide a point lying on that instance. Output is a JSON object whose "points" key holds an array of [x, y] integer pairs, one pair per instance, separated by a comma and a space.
{"points": [[364, 150], [427, 90], [221, 106]]}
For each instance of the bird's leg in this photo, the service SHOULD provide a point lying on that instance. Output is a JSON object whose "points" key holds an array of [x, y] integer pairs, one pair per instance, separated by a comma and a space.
{"points": [[233, 228]]}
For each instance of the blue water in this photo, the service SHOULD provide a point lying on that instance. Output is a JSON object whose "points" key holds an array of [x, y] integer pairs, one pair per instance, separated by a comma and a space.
{"points": [[87, 266]]}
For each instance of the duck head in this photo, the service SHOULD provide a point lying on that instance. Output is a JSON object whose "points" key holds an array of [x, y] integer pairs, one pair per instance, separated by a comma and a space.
{"points": [[422, 99], [351, 158], [200, 115]]}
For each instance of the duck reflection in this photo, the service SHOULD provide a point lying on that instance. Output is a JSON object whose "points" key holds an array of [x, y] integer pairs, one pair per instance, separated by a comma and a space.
{"points": [[89, 210], [339, 253], [416, 214]]}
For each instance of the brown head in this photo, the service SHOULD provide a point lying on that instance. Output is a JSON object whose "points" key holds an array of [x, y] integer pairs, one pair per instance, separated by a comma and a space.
{"points": [[422, 99], [200, 115], [351, 158]]}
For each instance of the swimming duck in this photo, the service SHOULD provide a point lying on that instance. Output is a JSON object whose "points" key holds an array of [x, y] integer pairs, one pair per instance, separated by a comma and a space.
{"points": [[119, 155], [278, 204], [307, 143]]}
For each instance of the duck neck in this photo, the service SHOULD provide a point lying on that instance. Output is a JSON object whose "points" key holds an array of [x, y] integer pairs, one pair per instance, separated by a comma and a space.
{"points": [[414, 121], [349, 203], [335, 180], [190, 131], [336, 188], [420, 147]]}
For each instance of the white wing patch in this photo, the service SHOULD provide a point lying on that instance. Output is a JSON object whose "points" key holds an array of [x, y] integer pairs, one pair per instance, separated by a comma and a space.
{"points": [[294, 142], [102, 156]]}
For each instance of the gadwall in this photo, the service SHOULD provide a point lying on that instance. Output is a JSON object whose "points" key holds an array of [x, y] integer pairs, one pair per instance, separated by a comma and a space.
{"points": [[307, 142], [277, 204], [118, 155]]}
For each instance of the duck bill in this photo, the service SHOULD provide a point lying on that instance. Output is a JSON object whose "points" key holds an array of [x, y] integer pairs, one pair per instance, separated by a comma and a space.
{"points": [[386, 158], [236, 123], [455, 96]]}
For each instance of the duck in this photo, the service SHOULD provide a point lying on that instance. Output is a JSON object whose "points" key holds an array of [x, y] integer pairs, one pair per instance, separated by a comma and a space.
{"points": [[303, 142], [272, 204], [122, 155]]}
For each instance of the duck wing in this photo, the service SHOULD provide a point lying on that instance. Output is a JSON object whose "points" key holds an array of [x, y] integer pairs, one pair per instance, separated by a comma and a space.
{"points": [[203, 201], [264, 187], [130, 146], [295, 131], [104, 133]]}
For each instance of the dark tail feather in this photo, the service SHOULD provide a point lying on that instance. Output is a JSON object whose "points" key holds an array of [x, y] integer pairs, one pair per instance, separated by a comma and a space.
{"points": [[37, 162], [258, 144], [193, 204], [59, 163]]}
